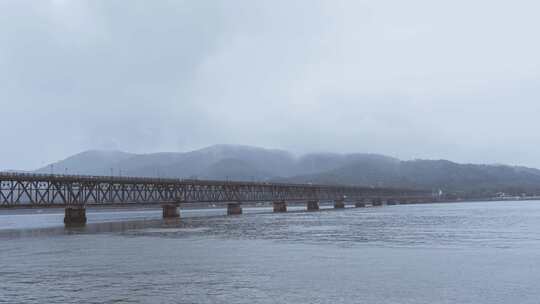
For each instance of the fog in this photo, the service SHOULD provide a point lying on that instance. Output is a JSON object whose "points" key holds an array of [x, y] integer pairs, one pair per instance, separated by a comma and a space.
{"points": [[457, 80]]}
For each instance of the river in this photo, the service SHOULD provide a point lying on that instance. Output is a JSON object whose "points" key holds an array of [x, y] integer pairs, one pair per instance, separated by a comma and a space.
{"points": [[437, 253]]}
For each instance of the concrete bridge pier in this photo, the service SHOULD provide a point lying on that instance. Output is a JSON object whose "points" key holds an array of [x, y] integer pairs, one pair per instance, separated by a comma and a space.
{"points": [[359, 204], [280, 206], [234, 209], [170, 210], [339, 204], [75, 215], [376, 202], [312, 205]]}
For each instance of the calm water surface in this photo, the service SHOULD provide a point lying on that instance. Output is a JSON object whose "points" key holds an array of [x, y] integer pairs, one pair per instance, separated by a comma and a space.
{"points": [[441, 253]]}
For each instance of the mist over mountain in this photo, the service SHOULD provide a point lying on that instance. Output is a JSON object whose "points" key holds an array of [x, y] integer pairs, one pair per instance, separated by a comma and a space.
{"points": [[459, 179], [92, 162], [248, 163], [218, 161]]}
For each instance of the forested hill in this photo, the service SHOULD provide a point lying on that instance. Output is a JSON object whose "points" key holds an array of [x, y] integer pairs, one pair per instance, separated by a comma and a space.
{"points": [[257, 164]]}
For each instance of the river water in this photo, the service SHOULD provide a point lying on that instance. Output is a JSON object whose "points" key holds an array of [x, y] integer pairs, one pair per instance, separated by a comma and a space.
{"points": [[439, 253]]}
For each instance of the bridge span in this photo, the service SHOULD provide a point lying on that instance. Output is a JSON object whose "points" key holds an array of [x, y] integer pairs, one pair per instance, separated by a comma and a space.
{"points": [[76, 192]]}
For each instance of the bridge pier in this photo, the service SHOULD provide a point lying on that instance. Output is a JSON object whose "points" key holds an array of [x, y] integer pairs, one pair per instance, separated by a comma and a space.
{"points": [[359, 204], [75, 215], [234, 209], [170, 211], [339, 204], [312, 205], [280, 206]]}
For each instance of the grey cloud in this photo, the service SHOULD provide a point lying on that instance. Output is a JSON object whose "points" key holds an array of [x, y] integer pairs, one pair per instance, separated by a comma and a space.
{"points": [[456, 80]]}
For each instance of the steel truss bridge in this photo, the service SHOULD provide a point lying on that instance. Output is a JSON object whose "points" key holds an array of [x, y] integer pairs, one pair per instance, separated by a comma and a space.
{"points": [[20, 190]]}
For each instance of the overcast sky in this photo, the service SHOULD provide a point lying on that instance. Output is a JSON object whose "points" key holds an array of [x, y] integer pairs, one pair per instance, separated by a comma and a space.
{"points": [[457, 79]]}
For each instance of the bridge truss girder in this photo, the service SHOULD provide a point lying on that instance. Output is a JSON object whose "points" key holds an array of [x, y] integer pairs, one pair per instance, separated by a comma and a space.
{"points": [[34, 190]]}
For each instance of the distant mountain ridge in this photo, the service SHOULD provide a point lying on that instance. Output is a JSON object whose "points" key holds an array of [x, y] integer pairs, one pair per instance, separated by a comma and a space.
{"points": [[252, 163], [243, 162]]}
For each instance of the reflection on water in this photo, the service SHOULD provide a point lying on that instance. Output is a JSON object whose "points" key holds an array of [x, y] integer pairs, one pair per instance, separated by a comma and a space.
{"points": [[444, 253]]}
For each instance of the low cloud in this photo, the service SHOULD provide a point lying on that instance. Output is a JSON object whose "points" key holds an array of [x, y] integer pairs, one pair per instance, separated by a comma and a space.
{"points": [[457, 80]]}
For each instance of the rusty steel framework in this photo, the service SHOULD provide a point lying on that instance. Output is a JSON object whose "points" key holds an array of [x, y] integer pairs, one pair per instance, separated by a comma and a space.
{"points": [[42, 190]]}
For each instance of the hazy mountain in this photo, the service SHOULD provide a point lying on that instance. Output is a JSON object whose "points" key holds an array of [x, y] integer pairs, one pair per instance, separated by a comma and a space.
{"points": [[320, 162], [252, 163], [93, 162], [432, 174], [234, 162], [234, 168]]}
